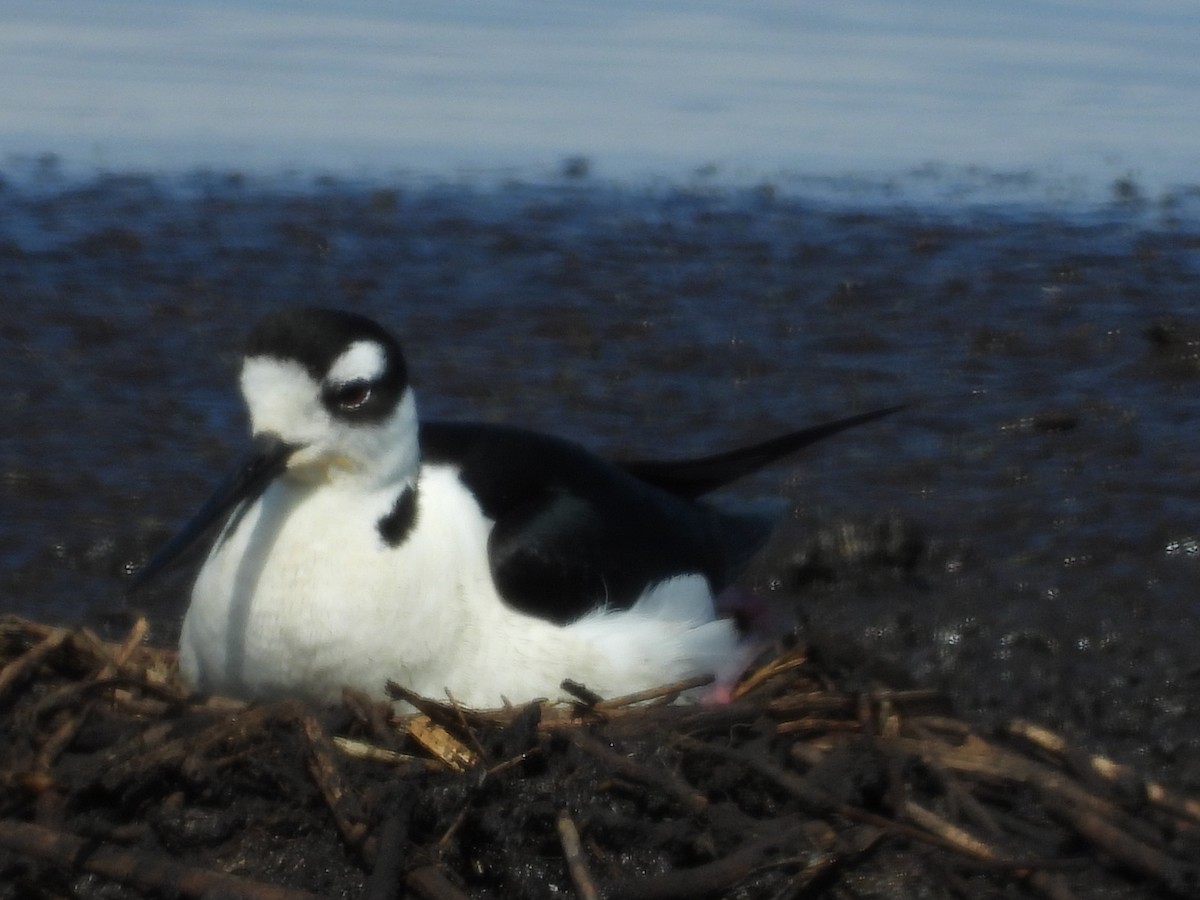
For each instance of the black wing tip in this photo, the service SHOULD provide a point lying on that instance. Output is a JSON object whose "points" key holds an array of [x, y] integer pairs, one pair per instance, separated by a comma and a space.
{"points": [[693, 478]]}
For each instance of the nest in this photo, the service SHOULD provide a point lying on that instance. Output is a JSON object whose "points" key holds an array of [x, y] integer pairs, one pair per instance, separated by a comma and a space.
{"points": [[116, 782]]}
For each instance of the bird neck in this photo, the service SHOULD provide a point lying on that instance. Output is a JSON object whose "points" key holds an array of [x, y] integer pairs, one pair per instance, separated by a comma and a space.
{"points": [[398, 453]]}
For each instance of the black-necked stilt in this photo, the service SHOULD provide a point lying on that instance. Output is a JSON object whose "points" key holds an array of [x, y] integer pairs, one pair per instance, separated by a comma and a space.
{"points": [[360, 546]]}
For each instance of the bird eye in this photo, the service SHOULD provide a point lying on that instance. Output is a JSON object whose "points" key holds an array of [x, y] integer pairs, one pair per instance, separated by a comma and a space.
{"points": [[352, 395]]}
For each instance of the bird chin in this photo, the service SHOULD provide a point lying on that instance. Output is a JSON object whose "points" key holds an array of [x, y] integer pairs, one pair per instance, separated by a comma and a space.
{"points": [[324, 470]]}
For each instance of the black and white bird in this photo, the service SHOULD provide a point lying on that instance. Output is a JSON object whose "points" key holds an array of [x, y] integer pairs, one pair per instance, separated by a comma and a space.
{"points": [[358, 545]]}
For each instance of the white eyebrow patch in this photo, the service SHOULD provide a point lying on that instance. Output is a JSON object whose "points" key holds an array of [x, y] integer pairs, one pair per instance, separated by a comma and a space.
{"points": [[361, 361]]}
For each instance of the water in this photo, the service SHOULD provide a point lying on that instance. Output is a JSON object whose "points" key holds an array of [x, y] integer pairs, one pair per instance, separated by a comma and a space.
{"points": [[1081, 94]]}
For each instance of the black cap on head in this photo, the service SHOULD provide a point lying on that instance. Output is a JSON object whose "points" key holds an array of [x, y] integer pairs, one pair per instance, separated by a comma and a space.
{"points": [[315, 338]]}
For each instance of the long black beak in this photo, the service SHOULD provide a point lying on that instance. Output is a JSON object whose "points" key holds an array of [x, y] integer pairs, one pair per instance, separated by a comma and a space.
{"points": [[242, 486]]}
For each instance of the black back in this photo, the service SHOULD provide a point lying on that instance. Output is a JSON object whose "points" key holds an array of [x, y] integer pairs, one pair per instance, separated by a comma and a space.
{"points": [[572, 531]]}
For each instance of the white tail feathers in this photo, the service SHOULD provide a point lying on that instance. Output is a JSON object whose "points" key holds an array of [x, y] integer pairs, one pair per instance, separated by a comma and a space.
{"points": [[668, 635]]}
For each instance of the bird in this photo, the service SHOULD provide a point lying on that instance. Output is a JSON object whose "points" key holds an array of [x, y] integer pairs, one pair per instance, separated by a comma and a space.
{"points": [[356, 544]]}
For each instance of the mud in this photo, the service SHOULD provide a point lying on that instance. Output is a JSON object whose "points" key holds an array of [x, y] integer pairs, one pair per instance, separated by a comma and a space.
{"points": [[117, 783], [1025, 537]]}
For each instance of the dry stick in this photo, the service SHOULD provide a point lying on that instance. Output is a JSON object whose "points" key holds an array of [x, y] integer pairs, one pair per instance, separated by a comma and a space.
{"points": [[61, 738], [577, 866], [770, 670], [987, 761], [452, 829], [1052, 885], [132, 641], [691, 799], [432, 884], [1109, 770], [512, 762], [581, 692], [438, 712], [472, 737], [65, 733], [821, 803], [34, 631], [440, 742], [322, 765], [959, 837], [811, 702], [666, 693], [384, 883], [372, 714], [20, 667], [1179, 877], [134, 757], [817, 726], [142, 870], [370, 753], [812, 797], [710, 878], [942, 724], [1091, 816], [958, 792]]}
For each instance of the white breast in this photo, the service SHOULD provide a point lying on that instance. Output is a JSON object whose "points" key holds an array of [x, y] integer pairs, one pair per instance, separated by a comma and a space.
{"points": [[305, 597]]}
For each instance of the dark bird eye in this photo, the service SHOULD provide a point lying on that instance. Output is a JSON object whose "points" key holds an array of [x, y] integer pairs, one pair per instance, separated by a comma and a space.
{"points": [[352, 395]]}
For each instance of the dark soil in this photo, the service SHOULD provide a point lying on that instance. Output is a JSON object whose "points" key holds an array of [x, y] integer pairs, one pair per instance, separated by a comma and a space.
{"points": [[118, 784]]}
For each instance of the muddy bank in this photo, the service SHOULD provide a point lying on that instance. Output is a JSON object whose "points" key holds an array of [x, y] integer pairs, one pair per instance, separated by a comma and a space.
{"points": [[1024, 538], [116, 784]]}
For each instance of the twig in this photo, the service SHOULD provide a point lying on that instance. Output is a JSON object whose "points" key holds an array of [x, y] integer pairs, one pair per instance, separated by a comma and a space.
{"points": [[374, 715], [771, 670], [100, 679], [134, 756], [791, 705], [323, 767], [710, 878], [820, 802], [962, 840], [143, 870], [667, 693], [1108, 770], [1179, 877], [581, 692], [476, 748], [568, 836], [437, 739], [23, 665], [815, 799], [981, 759], [370, 753], [691, 799], [430, 883], [384, 883]]}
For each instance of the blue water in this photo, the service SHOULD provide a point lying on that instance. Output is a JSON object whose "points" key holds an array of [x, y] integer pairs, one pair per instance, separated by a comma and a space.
{"points": [[1066, 97]]}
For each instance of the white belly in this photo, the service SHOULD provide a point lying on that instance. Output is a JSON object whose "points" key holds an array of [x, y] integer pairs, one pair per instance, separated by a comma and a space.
{"points": [[304, 597]]}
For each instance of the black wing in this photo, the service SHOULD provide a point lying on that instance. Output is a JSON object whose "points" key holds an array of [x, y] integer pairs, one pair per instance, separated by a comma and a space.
{"points": [[693, 478], [572, 531]]}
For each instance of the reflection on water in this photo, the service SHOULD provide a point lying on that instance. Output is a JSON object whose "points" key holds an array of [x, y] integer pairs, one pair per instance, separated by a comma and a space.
{"points": [[1089, 91]]}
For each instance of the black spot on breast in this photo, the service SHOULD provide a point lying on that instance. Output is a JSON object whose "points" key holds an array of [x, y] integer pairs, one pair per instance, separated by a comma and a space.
{"points": [[397, 524]]}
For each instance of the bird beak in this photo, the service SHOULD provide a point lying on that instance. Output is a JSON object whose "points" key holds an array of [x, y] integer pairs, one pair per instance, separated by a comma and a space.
{"points": [[242, 486]]}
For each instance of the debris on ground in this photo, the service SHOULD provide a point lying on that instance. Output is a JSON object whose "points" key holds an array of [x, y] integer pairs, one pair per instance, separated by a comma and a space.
{"points": [[115, 782]]}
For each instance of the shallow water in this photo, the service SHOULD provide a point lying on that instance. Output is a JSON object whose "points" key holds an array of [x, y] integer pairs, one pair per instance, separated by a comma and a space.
{"points": [[1086, 92], [1026, 535]]}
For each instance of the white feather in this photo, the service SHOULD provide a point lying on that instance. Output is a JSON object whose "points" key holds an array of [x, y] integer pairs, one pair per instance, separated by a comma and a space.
{"points": [[305, 597]]}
